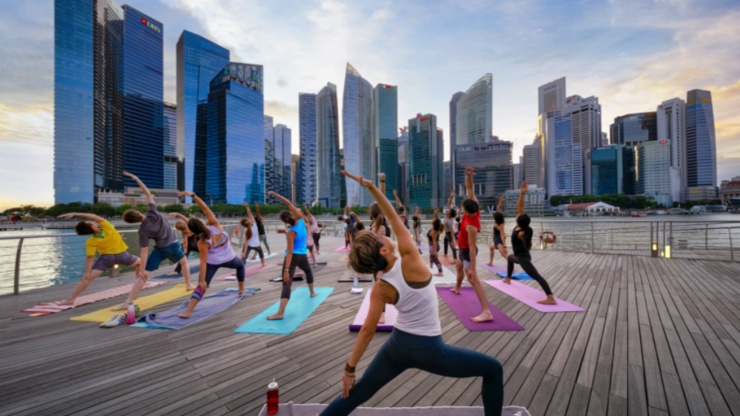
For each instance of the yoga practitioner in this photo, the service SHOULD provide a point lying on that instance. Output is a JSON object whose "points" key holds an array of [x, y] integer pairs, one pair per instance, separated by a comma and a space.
{"points": [[347, 224], [154, 226], [450, 226], [417, 226], [214, 248], [401, 210], [309, 239], [296, 235], [498, 238], [416, 340], [251, 236], [313, 229], [261, 230], [374, 209], [189, 241], [465, 265], [433, 237], [521, 243], [107, 242]]}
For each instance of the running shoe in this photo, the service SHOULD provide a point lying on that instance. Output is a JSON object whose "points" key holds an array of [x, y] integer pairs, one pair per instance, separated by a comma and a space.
{"points": [[115, 321]]}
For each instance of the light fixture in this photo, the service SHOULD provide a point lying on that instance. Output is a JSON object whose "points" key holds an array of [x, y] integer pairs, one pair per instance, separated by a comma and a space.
{"points": [[654, 250], [667, 249]]}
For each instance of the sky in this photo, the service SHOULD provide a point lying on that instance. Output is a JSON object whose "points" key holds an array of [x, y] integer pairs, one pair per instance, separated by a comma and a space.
{"points": [[631, 54]]}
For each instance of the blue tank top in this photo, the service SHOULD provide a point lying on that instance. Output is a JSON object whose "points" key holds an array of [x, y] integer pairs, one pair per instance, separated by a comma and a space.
{"points": [[299, 244]]}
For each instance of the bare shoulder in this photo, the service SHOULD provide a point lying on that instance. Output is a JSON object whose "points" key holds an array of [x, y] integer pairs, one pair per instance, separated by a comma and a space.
{"points": [[387, 292]]}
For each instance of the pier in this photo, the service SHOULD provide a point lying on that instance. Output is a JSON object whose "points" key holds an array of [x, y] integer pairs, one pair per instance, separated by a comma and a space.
{"points": [[659, 336]]}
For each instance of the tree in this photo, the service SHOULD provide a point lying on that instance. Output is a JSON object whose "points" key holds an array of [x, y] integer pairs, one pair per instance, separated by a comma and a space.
{"points": [[174, 208], [103, 209], [122, 208]]}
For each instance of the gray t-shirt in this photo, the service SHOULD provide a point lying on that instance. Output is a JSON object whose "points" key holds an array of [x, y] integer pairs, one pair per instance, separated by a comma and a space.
{"points": [[156, 227]]}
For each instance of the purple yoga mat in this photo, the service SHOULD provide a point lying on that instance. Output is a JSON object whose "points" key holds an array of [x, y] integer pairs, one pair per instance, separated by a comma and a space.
{"points": [[390, 315], [342, 248], [465, 306], [529, 296], [493, 269]]}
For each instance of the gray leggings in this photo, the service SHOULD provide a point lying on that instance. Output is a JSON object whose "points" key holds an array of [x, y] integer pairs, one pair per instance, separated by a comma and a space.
{"points": [[300, 261], [403, 351], [263, 239]]}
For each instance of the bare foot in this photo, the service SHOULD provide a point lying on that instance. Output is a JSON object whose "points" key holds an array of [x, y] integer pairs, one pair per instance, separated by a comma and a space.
{"points": [[490, 263], [121, 307], [263, 264], [439, 274], [189, 288], [549, 301], [484, 317], [313, 294], [382, 318], [241, 292], [65, 302], [172, 273], [275, 317], [455, 290], [184, 315], [507, 280]]}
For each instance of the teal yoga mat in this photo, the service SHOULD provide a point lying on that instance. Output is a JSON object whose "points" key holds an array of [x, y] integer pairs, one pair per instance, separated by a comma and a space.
{"points": [[300, 307]]}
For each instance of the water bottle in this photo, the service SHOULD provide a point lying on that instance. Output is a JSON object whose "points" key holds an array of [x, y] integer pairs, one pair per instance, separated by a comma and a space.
{"points": [[272, 398], [131, 314], [356, 283]]}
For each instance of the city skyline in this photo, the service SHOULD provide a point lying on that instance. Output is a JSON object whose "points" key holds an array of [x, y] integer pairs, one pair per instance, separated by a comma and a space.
{"points": [[632, 57]]}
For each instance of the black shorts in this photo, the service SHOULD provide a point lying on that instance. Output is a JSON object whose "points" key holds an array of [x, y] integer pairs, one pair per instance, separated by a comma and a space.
{"points": [[464, 256], [496, 241]]}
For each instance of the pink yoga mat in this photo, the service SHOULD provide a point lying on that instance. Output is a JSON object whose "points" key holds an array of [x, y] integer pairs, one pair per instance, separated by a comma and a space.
{"points": [[248, 271], [342, 248], [390, 315], [496, 268], [466, 305], [53, 307], [529, 296]]}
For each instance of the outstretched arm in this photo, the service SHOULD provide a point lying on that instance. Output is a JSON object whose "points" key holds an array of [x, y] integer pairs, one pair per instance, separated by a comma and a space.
{"points": [[469, 173], [399, 203], [203, 207], [149, 197], [381, 179], [91, 217], [257, 210], [451, 199], [520, 204], [179, 217], [293, 210], [436, 213], [500, 207], [308, 211], [249, 212]]}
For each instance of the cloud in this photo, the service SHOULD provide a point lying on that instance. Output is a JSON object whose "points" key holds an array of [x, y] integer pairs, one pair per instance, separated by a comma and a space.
{"points": [[23, 173], [281, 111]]}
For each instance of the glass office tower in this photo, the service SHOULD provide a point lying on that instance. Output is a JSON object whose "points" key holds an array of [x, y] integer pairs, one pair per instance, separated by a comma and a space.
{"points": [[269, 135], [633, 129], [606, 170], [359, 150], [307, 164], [493, 170], [331, 190], [701, 147], [198, 61], [426, 164], [385, 134], [171, 164], [474, 116], [236, 158], [143, 93], [283, 160]]}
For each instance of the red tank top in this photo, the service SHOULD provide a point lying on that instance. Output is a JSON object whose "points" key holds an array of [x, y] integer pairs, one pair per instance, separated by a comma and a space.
{"points": [[462, 237]]}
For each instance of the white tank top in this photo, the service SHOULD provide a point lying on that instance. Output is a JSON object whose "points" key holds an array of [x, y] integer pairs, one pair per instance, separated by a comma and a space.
{"points": [[418, 309]]}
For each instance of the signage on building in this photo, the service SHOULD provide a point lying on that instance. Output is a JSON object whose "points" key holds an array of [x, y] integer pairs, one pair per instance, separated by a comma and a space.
{"points": [[151, 25]]}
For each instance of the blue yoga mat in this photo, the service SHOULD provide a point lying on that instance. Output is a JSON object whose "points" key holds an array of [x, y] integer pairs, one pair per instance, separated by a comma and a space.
{"points": [[300, 307], [208, 306], [517, 276]]}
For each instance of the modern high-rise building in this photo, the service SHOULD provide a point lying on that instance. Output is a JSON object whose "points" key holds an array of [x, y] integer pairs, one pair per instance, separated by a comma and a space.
{"points": [[143, 94], [629, 170], [307, 131], [172, 167], [701, 148], [453, 134], [236, 160], [493, 170], [330, 182], [426, 162], [604, 139], [198, 61], [474, 117], [403, 163], [671, 120], [516, 170], [633, 129], [585, 116], [283, 160], [270, 162], [551, 97], [533, 169], [294, 167], [357, 124], [606, 170], [385, 134], [563, 157], [653, 171]]}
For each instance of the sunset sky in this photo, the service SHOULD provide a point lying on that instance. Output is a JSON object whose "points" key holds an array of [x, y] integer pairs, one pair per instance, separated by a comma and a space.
{"points": [[632, 55]]}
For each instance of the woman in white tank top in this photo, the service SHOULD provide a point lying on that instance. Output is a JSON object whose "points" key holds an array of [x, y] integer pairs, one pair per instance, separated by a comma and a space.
{"points": [[416, 340]]}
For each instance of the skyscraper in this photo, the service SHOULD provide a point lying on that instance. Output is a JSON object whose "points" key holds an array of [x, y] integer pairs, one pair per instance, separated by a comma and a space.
{"points": [[563, 157], [403, 163], [653, 171], [533, 170], [198, 61], [453, 134], [633, 129], [270, 161], [551, 97], [493, 170], [701, 148], [671, 120], [426, 154], [330, 182], [236, 158], [283, 160], [606, 170], [629, 170], [357, 123], [474, 116], [585, 116], [172, 168], [385, 133], [307, 130]]}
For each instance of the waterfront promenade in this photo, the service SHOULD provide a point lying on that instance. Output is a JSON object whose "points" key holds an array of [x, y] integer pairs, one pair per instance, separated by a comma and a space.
{"points": [[659, 336]]}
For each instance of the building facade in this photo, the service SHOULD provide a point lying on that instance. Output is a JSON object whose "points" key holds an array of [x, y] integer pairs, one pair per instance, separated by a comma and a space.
{"points": [[585, 115], [633, 129], [426, 154], [563, 157], [307, 137], [493, 170], [654, 171], [533, 169], [283, 161], [331, 191], [606, 170], [403, 163], [671, 120], [357, 123], [268, 128], [385, 134], [453, 133], [701, 146], [172, 167]]}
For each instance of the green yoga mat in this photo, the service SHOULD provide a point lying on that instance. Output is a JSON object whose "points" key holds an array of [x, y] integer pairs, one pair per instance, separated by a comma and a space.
{"points": [[300, 307]]}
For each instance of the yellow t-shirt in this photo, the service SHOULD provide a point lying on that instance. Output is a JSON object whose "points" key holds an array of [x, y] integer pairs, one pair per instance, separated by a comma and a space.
{"points": [[108, 242]]}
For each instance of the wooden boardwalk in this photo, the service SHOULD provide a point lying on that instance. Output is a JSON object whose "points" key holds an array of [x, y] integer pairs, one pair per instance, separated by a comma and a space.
{"points": [[658, 337]]}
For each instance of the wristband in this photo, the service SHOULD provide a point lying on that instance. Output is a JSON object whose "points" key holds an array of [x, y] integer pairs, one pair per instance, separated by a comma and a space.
{"points": [[348, 368]]}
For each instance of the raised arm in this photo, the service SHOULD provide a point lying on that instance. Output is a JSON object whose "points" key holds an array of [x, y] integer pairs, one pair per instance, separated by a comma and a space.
{"points": [[149, 197], [436, 213], [500, 207], [293, 210], [91, 217], [308, 211], [399, 203], [469, 173], [203, 207], [257, 210], [381, 179], [179, 216], [520, 204], [451, 199], [249, 212]]}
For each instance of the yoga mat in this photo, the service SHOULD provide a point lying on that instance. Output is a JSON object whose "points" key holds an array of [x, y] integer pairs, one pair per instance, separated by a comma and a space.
{"points": [[299, 275], [257, 258], [449, 277], [529, 296], [342, 248], [390, 315], [52, 307], [496, 268], [300, 307], [248, 271], [208, 306], [292, 409], [194, 270], [466, 305], [517, 276], [144, 302]]}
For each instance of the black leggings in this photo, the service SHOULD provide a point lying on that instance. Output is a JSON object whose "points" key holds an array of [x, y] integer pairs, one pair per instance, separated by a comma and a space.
{"points": [[316, 237], [448, 242], [525, 260], [300, 261], [434, 259], [257, 249]]}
